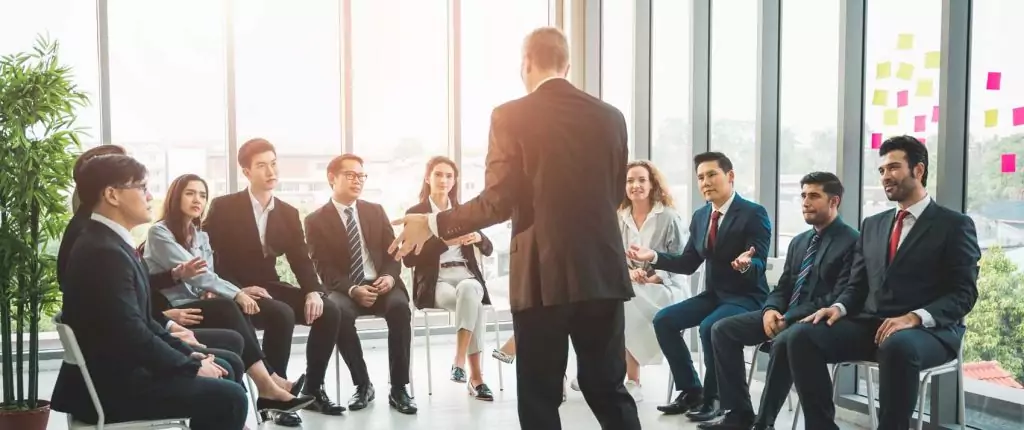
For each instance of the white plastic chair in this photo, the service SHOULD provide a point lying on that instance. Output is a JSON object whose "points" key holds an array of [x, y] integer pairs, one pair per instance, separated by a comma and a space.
{"points": [[497, 342], [73, 356]]}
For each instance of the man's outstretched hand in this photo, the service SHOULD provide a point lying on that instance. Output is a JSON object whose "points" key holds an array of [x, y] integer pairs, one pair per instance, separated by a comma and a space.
{"points": [[415, 233]]}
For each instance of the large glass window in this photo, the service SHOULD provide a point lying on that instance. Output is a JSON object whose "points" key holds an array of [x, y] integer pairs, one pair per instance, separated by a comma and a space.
{"points": [[400, 95], [902, 52], [809, 98], [734, 87], [993, 348], [671, 149], [617, 59], [492, 39]]}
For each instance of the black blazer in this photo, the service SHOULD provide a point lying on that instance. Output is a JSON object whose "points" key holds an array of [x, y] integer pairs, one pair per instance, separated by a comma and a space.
{"points": [[328, 244], [935, 269], [106, 303], [427, 265], [745, 225], [556, 165], [830, 271], [238, 253]]}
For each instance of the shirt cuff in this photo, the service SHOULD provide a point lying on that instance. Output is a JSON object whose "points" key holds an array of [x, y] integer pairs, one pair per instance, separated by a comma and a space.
{"points": [[745, 269], [170, 323], [350, 290], [842, 309], [655, 260], [432, 223], [926, 318]]}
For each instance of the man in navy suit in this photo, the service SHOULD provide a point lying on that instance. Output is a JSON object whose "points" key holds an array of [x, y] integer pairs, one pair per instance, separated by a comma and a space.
{"points": [[913, 280], [730, 236]]}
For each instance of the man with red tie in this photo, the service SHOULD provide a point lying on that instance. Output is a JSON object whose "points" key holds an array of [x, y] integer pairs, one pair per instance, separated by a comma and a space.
{"points": [[913, 280]]}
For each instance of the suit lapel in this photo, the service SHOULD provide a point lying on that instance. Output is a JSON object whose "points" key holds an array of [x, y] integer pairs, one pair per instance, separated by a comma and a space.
{"points": [[826, 240], [336, 232], [248, 222], [921, 225], [726, 223], [703, 220]]}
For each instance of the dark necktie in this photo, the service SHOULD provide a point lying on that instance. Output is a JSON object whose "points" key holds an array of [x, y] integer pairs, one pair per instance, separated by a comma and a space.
{"points": [[897, 232], [355, 249], [805, 269], [713, 231]]}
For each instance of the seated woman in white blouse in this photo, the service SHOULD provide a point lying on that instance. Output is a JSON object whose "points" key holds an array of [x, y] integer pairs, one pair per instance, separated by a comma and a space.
{"points": [[175, 239]]}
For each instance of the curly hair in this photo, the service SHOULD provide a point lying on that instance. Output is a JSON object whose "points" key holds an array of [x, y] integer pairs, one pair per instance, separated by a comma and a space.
{"points": [[659, 194]]}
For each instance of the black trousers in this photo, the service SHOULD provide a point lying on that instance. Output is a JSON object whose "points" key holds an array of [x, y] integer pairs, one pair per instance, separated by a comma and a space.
{"points": [[393, 306], [225, 345], [210, 404], [277, 318], [222, 313], [810, 347], [728, 337], [596, 331]]}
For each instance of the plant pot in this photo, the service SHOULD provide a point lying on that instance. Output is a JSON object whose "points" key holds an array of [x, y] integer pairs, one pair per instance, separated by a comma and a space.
{"points": [[35, 419]]}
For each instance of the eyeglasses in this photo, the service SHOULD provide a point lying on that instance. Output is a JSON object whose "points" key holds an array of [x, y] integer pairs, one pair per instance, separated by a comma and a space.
{"points": [[354, 176], [141, 187]]}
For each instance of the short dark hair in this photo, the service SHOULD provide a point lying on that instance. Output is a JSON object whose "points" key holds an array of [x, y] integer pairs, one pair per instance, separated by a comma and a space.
{"points": [[915, 151], [335, 165], [723, 162], [250, 148], [828, 181], [110, 170], [92, 153]]}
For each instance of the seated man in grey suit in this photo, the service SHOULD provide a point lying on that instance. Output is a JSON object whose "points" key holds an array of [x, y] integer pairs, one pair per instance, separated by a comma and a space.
{"points": [[818, 260]]}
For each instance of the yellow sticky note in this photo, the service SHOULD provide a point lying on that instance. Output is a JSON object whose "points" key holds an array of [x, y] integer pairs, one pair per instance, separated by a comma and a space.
{"points": [[991, 118], [905, 41], [891, 117], [883, 70], [880, 98], [932, 60], [905, 72], [925, 88]]}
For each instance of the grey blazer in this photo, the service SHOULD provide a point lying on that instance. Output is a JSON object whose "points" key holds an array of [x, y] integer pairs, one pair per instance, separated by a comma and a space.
{"points": [[163, 253]]}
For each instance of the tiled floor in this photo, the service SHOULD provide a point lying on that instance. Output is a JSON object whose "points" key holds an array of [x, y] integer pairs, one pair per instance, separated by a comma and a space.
{"points": [[450, 407]]}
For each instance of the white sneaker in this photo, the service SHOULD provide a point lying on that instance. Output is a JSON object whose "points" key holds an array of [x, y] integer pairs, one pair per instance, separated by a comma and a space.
{"points": [[634, 390]]}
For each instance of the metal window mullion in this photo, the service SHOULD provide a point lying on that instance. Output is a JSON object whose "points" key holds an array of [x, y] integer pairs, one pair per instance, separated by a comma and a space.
{"points": [[642, 79], [766, 143]]}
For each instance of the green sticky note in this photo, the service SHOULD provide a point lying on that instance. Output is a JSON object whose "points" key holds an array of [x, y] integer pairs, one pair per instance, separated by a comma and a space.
{"points": [[932, 60], [880, 98], [991, 118], [891, 117], [905, 41], [925, 88], [905, 72], [883, 70]]}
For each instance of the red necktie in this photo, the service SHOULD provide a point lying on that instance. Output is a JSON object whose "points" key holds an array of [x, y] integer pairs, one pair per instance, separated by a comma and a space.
{"points": [[713, 232], [897, 231]]}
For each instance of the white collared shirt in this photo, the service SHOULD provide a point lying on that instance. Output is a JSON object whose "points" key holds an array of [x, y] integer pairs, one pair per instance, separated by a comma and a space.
{"points": [[640, 235], [546, 80], [262, 215], [369, 271], [118, 228], [454, 252]]}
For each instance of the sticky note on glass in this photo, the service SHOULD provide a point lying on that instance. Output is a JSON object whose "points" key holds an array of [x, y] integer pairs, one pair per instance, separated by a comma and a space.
{"points": [[994, 81], [876, 140], [935, 114], [919, 123], [883, 70], [905, 41], [991, 118], [1009, 163], [932, 60], [925, 88], [922, 140], [905, 72], [880, 98], [1018, 116], [891, 117], [902, 98]]}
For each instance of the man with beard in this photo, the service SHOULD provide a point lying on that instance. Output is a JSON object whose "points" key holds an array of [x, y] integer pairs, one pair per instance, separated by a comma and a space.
{"points": [[913, 280], [818, 260]]}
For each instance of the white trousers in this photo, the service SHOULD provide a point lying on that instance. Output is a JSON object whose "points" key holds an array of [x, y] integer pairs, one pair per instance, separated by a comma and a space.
{"points": [[459, 292]]}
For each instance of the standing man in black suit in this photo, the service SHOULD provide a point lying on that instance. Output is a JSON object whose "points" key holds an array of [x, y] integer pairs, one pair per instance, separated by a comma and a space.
{"points": [[730, 236], [349, 239], [914, 279], [555, 165], [139, 370], [248, 231], [818, 260]]}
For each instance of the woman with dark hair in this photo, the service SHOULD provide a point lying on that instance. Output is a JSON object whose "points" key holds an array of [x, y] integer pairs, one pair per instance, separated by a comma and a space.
{"points": [[176, 238], [446, 275]]}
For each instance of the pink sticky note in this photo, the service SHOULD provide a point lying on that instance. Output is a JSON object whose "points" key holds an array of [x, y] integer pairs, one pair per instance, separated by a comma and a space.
{"points": [[876, 140], [935, 114], [1018, 116], [902, 98], [994, 79], [1009, 163], [922, 140], [919, 123]]}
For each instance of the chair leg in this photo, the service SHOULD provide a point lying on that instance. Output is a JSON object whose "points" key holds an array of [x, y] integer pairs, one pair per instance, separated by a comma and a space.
{"points": [[497, 345], [962, 412], [796, 415], [753, 365], [252, 397], [871, 396], [430, 376], [337, 374], [920, 401], [671, 383], [789, 400], [412, 347]]}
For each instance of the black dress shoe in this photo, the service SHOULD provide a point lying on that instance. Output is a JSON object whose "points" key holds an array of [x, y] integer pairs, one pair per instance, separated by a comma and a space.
{"points": [[400, 400], [298, 385], [290, 419], [481, 392], [683, 403], [282, 412], [458, 375], [733, 420], [707, 412], [323, 404], [362, 398]]}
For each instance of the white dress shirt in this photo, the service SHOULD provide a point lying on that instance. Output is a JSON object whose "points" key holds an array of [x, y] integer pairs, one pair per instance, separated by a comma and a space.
{"points": [[262, 215], [454, 252], [369, 271], [914, 212]]}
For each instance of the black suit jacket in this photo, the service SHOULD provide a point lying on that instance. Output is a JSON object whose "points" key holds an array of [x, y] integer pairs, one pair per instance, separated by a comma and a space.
{"points": [[935, 269], [556, 163], [106, 303], [238, 253], [427, 264], [829, 273], [745, 225], [329, 249]]}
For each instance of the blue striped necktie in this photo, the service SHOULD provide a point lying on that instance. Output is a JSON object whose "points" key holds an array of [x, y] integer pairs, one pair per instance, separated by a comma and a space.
{"points": [[805, 269], [355, 249]]}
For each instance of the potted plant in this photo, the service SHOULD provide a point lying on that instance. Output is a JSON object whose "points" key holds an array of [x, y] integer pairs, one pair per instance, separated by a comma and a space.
{"points": [[38, 143]]}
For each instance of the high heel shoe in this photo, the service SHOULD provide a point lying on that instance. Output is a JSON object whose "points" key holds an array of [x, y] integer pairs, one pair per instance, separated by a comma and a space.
{"points": [[502, 356], [283, 406], [481, 392], [298, 385]]}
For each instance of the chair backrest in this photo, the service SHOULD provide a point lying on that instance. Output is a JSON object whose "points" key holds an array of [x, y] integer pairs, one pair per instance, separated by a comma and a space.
{"points": [[773, 271], [73, 356]]}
